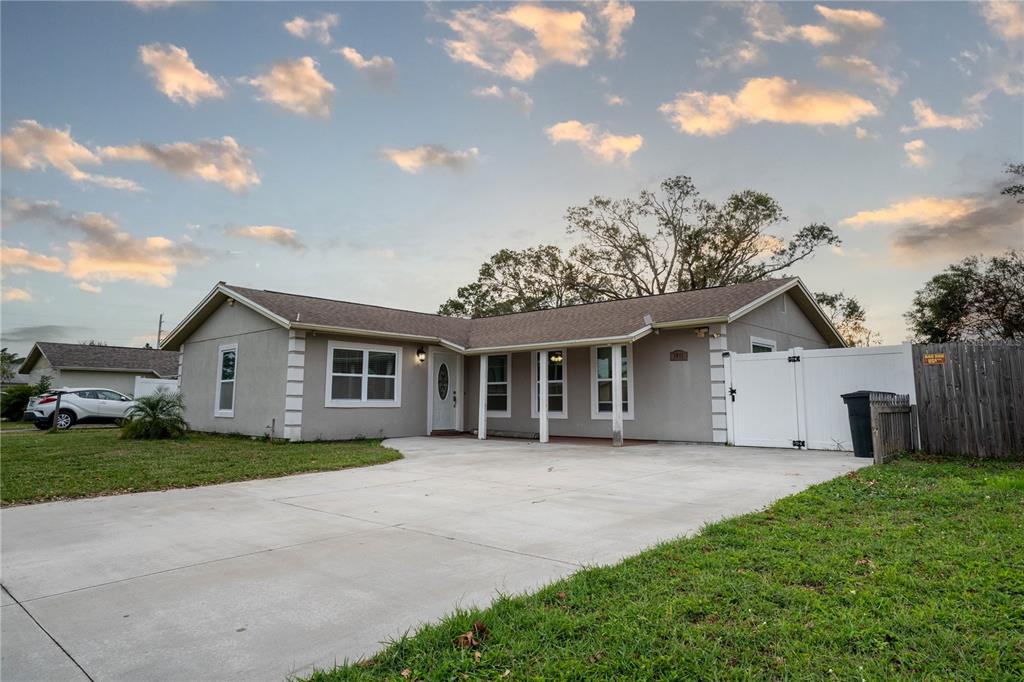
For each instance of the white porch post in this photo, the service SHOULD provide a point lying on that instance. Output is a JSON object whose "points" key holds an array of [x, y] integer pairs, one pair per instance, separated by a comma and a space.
{"points": [[616, 395], [542, 394], [481, 425]]}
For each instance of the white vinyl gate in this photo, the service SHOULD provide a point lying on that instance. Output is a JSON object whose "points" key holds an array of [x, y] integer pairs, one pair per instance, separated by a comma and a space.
{"points": [[793, 398]]}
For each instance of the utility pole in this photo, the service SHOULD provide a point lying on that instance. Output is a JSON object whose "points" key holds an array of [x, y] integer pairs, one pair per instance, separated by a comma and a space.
{"points": [[159, 330]]}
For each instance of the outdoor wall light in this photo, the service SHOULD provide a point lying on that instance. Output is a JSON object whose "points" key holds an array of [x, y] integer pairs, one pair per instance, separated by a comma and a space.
{"points": [[555, 357], [421, 354]]}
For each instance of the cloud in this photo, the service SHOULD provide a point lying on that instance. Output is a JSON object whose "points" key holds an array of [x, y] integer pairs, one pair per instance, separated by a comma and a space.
{"points": [[773, 100], [176, 75], [933, 228], [617, 17], [222, 161], [90, 288], [517, 41], [615, 100], [415, 159], [863, 134], [378, 69], [43, 332], [514, 95], [768, 24], [17, 259], [101, 251], [296, 85], [589, 137], [859, 68], [146, 5], [917, 153], [318, 29], [31, 146], [920, 210], [14, 294], [1005, 19], [859, 20], [282, 236], [925, 118], [736, 57]]}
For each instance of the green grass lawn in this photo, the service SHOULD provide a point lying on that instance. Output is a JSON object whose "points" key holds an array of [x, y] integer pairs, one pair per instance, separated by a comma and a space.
{"points": [[41, 466], [913, 570], [9, 426]]}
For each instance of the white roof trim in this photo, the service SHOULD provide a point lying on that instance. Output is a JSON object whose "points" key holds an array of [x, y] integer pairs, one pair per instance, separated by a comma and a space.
{"points": [[221, 288], [600, 341]]}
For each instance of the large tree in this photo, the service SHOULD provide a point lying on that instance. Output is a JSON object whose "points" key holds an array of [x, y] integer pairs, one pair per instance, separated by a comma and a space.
{"points": [[9, 363], [658, 242], [848, 317], [975, 299]]}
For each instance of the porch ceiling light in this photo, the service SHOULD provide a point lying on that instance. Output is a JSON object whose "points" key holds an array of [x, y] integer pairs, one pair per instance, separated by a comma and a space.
{"points": [[421, 354]]}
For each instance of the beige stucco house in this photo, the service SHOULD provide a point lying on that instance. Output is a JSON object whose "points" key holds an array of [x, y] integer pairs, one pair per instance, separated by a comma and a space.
{"points": [[304, 368]]}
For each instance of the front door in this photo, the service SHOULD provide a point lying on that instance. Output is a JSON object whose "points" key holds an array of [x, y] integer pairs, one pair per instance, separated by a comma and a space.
{"points": [[444, 390]]}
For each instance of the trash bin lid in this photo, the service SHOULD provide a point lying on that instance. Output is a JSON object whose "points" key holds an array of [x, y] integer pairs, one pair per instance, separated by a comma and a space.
{"points": [[857, 394]]}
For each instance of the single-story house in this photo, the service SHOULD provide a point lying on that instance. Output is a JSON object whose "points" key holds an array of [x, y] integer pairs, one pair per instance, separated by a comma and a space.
{"points": [[304, 368], [87, 365]]}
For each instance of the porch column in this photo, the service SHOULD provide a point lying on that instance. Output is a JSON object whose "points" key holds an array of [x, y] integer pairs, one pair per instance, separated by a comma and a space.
{"points": [[617, 395], [481, 422], [542, 394]]}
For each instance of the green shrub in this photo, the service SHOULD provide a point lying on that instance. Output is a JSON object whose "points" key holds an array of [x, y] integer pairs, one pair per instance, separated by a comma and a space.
{"points": [[155, 417], [15, 398]]}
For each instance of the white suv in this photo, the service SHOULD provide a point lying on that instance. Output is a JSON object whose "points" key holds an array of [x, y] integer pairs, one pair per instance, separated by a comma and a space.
{"points": [[78, 405]]}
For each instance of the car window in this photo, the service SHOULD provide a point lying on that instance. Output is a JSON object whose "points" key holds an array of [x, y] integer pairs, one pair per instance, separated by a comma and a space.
{"points": [[88, 395], [109, 395]]}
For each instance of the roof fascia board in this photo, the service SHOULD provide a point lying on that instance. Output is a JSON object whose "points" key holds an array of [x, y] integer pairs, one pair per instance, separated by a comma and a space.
{"points": [[25, 367], [353, 331], [696, 322], [567, 343], [75, 368], [761, 300]]}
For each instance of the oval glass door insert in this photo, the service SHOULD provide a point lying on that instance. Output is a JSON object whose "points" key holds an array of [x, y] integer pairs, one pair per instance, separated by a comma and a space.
{"points": [[442, 381]]}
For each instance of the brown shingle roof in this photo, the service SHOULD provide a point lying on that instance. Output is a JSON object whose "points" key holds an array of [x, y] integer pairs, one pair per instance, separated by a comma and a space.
{"points": [[589, 321], [66, 355]]}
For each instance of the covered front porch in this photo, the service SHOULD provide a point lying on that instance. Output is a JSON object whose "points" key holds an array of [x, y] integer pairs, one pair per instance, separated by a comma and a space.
{"points": [[557, 381]]}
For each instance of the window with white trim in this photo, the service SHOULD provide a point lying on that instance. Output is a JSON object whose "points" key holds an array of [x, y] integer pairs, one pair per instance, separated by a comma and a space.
{"points": [[499, 388], [227, 365], [363, 375], [557, 407], [601, 382], [759, 345]]}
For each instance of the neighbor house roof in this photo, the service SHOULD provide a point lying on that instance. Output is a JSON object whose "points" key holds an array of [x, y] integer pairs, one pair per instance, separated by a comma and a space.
{"points": [[621, 321], [162, 363]]}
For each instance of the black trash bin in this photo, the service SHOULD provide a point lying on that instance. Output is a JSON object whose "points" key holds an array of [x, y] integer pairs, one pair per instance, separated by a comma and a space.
{"points": [[858, 406]]}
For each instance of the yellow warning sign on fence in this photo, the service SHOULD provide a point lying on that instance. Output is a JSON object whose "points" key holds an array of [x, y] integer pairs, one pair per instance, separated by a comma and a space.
{"points": [[934, 358]]}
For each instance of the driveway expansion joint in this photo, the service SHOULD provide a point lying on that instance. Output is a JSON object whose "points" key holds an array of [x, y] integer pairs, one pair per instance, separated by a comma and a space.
{"points": [[47, 633]]}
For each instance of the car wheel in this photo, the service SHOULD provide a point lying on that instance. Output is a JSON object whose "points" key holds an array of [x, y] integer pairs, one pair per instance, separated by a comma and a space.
{"points": [[65, 420], [42, 426], [120, 421]]}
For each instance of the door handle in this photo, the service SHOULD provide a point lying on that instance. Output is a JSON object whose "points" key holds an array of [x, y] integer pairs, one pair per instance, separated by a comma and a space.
{"points": [[455, 398]]}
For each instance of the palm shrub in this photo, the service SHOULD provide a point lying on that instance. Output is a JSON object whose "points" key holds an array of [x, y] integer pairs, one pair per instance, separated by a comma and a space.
{"points": [[155, 417]]}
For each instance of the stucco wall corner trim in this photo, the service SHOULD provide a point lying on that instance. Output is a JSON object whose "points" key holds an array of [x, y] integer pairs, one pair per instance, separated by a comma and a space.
{"points": [[717, 345], [294, 384]]}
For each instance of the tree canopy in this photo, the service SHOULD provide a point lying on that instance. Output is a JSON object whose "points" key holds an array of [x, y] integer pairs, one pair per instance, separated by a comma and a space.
{"points": [[848, 317], [658, 242], [975, 299]]}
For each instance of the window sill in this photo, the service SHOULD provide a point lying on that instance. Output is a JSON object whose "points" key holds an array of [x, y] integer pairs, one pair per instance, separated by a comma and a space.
{"points": [[607, 416], [551, 415], [360, 403], [499, 415], [224, 415]]}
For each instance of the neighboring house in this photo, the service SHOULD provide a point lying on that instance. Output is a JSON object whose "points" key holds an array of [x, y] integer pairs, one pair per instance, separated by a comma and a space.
{"points": [[79, 364], [305, 368]]}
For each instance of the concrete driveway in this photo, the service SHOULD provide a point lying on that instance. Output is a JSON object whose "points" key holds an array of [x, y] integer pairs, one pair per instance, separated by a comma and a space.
{"points": [[265, 579]]}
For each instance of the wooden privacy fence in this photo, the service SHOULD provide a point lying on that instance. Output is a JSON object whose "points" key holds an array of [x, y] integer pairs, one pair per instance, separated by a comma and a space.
{"points": [[891, 425], [970, 398]]}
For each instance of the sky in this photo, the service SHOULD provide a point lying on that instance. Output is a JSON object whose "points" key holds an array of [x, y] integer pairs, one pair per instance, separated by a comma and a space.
{"points": [[379, 152]]}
